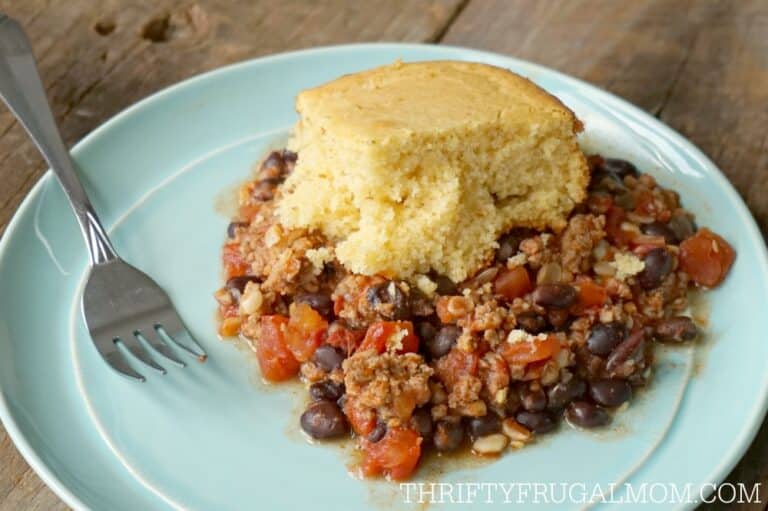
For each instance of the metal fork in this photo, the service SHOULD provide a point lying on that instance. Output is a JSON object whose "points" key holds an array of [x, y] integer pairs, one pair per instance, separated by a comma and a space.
{"points": [[125, 310]]}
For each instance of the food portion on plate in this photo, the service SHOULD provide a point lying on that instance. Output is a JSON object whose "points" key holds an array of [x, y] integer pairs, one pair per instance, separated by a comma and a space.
{"points": [[437, 260]]}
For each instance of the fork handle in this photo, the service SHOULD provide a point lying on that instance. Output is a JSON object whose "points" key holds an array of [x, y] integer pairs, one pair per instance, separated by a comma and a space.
{"points": [[22, 90]]}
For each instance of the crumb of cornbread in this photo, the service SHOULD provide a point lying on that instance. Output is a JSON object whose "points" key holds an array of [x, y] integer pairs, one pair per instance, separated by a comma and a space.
{"points": [[412, 167], [626, 265], [318, 257]]}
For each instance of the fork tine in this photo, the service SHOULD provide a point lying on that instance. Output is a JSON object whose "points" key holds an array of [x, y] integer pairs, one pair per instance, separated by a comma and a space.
{"points": [[137, 350], [172, 329], [117, 361], [152, 338]]}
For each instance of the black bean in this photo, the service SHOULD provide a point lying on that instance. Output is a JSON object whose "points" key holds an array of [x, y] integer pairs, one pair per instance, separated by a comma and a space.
{"points": [[329, 270], [617, 168], [604, 337], [445, 286], [508, 247], [626, 349], [263, 192], [609, 392], [233, 226], [533, 400], [586, 415], [320, 302], [509, 244], [485, 425], [531, 322], [513, 402], [444, 340], [328, 358], [559, 319], [660, 229], [421, 420], [426, 332], [448, 436], [626, 201], [658, 264], [326, 389], [239, 283], [274, 161], [388, 299], [271, 181], [556, 296], [323, 419], [682, 225], [378, 432], [289, 156], [538, 422], [677, 329], [564, 392]]}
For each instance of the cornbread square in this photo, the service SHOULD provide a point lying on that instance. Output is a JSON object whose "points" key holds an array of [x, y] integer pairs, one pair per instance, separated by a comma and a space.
{"points": [[421, 166]]}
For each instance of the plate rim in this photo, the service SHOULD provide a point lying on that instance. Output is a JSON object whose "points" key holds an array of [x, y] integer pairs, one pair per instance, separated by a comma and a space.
{"points": [[747, 220]]}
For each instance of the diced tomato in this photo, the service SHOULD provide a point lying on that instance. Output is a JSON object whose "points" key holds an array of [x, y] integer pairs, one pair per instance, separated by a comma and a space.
{"points": [[362, 420], [338, 305], [344, 338], [234, 263], [590, 293], [457, 363], [450, 309], [613, 220], [305, 331], [276, 361], [525, 352], [706, 257], [513, 283], [396, 455], [379, 334]]}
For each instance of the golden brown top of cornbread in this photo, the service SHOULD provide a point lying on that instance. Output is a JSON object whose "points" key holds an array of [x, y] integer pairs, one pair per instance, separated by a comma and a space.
{"points": [[421, 166], [431, 96]]}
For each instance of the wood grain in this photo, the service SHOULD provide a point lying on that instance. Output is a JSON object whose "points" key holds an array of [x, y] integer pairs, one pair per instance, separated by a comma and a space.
{"points": [[699, 65]]}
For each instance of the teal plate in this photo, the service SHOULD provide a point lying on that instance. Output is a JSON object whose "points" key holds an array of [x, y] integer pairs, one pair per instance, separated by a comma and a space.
{"points": [[212, 436]]}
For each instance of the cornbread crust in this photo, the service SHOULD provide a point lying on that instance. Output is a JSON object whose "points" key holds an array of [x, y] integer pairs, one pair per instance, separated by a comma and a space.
{"points": [[421, 166]]}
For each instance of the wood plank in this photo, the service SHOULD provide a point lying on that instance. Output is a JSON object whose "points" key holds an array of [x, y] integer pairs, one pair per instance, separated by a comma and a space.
{"points": [[98, 58], [31, 494], [700, 66]]}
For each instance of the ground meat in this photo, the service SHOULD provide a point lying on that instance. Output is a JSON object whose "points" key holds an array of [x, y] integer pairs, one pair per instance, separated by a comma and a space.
{"points": [[278, 255], [494, 374], [352, 303], [486, 316], [465, 396], [577, 241], [455, 372], [537, 250], [392, 385]]}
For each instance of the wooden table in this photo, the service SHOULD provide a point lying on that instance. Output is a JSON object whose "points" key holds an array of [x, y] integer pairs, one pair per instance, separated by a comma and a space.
{"points": [[700, 66]]}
